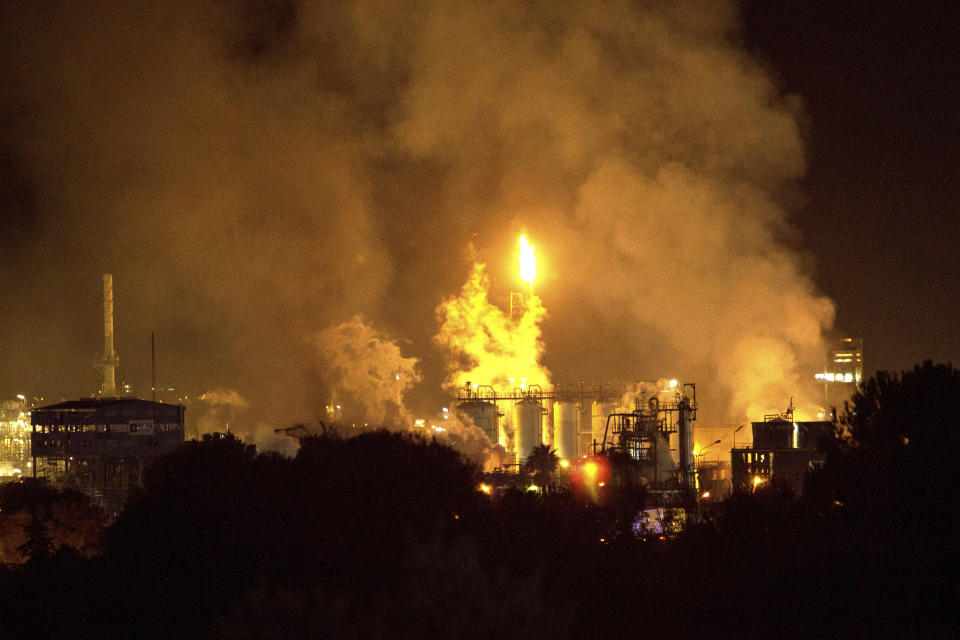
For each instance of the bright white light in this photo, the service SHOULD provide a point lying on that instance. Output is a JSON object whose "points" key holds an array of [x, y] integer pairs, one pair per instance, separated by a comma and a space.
{"points": [[528, 262], [673, 384], [20, 396]]}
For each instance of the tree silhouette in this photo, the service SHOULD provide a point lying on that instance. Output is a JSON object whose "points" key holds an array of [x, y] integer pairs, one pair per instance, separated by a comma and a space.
{"points": [[542, 465], [890, 484], [39, 544], [900, 449]]}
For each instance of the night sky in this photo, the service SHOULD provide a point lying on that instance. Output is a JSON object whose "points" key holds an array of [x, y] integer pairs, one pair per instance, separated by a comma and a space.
{"points": [[253, 173], [879, 82]]}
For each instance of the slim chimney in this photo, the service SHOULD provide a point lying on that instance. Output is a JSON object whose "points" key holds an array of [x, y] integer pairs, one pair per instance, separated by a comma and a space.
{"points": [[108, 362]]}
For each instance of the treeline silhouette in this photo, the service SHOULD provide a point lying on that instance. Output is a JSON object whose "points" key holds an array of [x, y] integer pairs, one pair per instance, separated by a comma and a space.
{"points": [[384, 535]]}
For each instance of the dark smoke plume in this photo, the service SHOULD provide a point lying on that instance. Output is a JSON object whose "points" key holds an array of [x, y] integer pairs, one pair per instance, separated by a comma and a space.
{"points": [[253, 173]]}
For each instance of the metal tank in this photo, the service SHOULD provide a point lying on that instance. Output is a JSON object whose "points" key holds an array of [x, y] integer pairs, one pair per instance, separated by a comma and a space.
{"points": [[506, 433], [483, 414], [565, 429], [599, 418], [585, 428], [685, 417], [547, 433], [528, 413]]}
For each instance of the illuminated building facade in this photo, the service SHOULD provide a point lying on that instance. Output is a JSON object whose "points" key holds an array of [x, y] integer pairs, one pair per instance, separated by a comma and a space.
{"points": [[102, 446], [14, 438], [843, 372]]}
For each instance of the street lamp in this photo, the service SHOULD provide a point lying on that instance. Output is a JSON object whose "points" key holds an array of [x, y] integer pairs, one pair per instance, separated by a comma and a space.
{"points": [[699, 465], [702, 449], [735, 435]]}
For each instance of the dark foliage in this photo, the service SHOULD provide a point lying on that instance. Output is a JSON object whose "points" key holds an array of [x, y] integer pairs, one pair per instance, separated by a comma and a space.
{"points": [[33, 495], [386, 536]]}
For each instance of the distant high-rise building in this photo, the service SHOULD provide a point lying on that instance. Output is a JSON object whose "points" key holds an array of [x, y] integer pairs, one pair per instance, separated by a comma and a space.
{"points": [[843, 371]]}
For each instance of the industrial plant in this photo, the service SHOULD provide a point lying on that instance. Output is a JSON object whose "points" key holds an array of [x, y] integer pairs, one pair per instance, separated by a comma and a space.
{"points": [[102, 445], [588, 421], [782, 448]]}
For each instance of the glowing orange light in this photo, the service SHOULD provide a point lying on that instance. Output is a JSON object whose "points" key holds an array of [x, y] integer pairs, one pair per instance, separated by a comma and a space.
{"points": [[590, 470]]}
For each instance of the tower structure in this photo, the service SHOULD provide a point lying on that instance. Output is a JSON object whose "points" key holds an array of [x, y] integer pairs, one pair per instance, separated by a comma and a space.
{"points": [[843, 371], [107, 363]]}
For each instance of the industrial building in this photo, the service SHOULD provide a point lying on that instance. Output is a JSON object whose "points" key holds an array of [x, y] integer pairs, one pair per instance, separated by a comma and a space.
{"points": [[587, 420], [14, 437], [102, 446], [782, 449]]}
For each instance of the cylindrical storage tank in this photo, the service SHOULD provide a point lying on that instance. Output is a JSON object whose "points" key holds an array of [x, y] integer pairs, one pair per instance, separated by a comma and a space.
{"points": [[565, 429], [481, 413], [506, 433], [599, 419], [528, 413], [547, 435], [585, 427]]}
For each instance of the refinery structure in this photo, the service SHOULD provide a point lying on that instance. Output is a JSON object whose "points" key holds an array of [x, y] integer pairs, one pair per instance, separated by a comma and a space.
{"points": [[102, 444], [14, 437], [587, 421]]}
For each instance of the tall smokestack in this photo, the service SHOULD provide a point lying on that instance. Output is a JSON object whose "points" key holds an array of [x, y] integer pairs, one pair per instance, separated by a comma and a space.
{"points": [[108, 363], [687, 408]]}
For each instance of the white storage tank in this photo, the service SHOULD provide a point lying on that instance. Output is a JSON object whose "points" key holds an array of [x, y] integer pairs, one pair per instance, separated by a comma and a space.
{"points": [[547, 436], [565, 429], [528, 414], [584, 407]]}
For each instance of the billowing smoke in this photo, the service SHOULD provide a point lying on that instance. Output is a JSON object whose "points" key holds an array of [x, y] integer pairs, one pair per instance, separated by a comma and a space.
{"points": [[255, 173], [219, 408], [468, 439], [368, 371]]}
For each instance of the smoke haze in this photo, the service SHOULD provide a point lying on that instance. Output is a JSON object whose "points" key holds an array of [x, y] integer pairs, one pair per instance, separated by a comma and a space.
{"points": [[256, 173]]}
